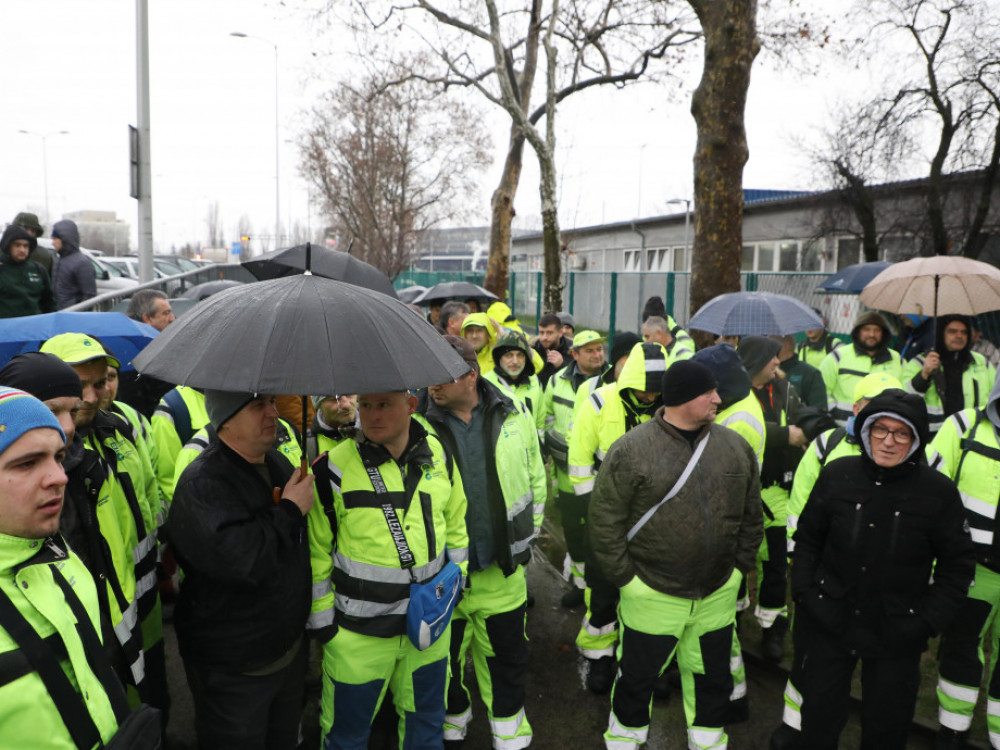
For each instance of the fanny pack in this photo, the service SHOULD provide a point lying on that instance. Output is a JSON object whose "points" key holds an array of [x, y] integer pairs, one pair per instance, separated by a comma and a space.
{"points": [[431, 602]]}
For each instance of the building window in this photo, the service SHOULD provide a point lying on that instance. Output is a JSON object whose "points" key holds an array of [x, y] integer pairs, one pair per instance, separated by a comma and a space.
{"points": [[747, 263], [812, 255], [680, 261], [765, 257], [848, 251], [788, 256], [651, 260]]}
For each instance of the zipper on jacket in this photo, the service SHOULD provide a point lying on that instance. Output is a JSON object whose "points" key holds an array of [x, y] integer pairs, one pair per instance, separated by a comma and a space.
{"points": [[895, 532]]}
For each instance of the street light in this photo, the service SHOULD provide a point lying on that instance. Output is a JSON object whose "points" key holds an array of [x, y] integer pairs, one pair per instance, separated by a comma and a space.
{"points": [[277, 147], [45, 161], [687, 223]]}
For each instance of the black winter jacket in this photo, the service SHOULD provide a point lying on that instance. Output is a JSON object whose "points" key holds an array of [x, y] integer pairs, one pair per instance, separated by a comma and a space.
{"points": [[24, 287], [869, 538], [247, 582], [73, 278]]}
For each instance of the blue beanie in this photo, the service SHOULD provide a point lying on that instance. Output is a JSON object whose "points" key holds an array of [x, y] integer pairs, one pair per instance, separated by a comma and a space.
{"points": [[726, 365], [21, 412]]}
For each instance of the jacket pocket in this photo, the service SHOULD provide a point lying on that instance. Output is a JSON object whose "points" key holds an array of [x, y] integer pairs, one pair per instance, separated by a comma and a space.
{"points": [[903, 629], [825, 601]]}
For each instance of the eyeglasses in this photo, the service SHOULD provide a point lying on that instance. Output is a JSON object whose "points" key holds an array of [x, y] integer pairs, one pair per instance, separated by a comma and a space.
{"points": [[902, 436]]}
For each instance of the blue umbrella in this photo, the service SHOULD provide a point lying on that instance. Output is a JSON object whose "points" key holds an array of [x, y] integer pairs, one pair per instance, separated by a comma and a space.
{"points": [[121, 335], [852, 279], [754, 314]]}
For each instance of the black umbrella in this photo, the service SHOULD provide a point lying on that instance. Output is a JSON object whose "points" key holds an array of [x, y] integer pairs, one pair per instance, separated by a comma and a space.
{"points": [[331, 264], [447, 290], [410, 293], [302, 334], [208, 288]]}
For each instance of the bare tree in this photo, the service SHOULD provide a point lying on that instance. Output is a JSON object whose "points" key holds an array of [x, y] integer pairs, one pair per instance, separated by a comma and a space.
{"points": [[244, 228], [949, 87], [496, 50], [216, 234], [390, 162]]}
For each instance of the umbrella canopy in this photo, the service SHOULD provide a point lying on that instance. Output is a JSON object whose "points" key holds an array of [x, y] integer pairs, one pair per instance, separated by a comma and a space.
{"points": [[939, 285], [302, 334], [852, 279], [409, 294], [121, 335], [331, 264], [447, 290], [754, 314], [208, 288]]}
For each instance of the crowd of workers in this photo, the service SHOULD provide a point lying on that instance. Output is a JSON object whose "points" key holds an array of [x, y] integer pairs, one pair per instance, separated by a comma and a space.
{"points": [[685, 479]]}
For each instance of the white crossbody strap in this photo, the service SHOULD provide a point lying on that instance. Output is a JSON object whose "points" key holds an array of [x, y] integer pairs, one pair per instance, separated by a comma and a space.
{"points": [[673, 490]]}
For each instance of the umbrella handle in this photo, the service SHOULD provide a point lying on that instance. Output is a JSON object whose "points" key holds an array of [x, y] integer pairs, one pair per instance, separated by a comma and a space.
{"points": [[276, 494], [304, 468]]}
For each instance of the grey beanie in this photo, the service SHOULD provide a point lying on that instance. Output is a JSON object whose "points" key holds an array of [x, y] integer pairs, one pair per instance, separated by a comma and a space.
{"points": [[223, 405]]}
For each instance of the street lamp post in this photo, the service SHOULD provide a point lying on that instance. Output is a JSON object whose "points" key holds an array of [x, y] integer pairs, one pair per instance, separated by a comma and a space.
{"points": [[45, 161], [687, 224], [277, 146]]}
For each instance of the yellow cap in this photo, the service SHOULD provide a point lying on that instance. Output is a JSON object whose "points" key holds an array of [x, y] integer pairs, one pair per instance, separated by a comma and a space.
{"points": [[586, 337], [77, 348], [872, 385]]}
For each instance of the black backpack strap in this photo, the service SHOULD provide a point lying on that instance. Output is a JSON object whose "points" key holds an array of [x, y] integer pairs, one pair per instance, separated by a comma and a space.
{"points": [[321, 470], [969, 445], [832, 442], [43, 659]]}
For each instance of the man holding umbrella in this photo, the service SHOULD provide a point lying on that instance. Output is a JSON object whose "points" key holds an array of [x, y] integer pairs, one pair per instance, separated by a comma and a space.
{"points": [[238, 528], [950, 376], [868, 352]]}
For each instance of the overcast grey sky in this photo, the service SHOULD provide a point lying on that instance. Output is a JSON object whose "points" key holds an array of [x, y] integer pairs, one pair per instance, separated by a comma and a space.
{"points": [[70, 65]]}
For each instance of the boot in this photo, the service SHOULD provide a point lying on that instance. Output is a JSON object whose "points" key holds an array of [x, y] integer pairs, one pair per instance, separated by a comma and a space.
{"points": [[454, 744], [772, 640], [572, 598], [601, 675], [950, 739], [784, 738]]}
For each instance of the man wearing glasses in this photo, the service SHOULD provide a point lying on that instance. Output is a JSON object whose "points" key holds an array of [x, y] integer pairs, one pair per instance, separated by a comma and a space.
{"points": [[874, 528]]}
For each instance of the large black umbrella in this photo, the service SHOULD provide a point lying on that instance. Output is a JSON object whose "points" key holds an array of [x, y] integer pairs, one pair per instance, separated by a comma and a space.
{"points": [[447, 290], [332, 264], [410, 293], [301, 334], [208, 288]]}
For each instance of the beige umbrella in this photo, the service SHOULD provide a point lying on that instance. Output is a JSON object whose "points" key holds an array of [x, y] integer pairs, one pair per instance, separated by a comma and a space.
{"points": [[939, 285]]}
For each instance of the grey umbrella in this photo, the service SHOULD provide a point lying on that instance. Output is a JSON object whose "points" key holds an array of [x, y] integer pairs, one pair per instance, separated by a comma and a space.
{"points": [[301, 335], [754, 314], [447, 290], [208, 288], [332, 264]]}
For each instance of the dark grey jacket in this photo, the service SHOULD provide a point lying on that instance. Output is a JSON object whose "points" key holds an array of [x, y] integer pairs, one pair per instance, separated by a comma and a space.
{"points": [[73, 278], [690, 546]]}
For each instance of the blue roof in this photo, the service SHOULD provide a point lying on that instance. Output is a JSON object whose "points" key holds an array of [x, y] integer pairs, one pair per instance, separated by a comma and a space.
{"points": [[753, 195]]}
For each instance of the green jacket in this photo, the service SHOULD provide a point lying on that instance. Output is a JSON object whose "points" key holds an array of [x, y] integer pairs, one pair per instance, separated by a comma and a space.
{"points": [[610, 412], [813, 353], [359, 573], [517, 485], [967, 451], [179, 415], [977, 380], [529, 392], [558, 403], [845, 366], [25, 289], [29, 719], [689, 547], [828, 446]]}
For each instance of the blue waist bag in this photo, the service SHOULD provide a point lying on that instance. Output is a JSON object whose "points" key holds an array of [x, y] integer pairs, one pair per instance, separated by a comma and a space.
{"points": [[431, 606]]}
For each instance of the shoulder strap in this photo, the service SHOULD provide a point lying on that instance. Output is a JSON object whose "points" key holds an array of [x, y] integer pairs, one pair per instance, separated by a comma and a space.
{"points": [[832, 442], [182, 415], [321, 470], [969, 445], [68, 702], [406, 558], [673, 490]]}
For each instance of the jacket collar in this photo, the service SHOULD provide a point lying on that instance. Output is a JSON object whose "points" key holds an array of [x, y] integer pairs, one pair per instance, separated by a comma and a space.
{"points": [[16, 553]]}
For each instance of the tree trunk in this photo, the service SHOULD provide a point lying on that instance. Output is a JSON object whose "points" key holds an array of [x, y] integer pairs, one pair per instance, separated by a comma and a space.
{"points": [[718, 108], [974, 239], [502, 204], [935, 186], [551, 241]]}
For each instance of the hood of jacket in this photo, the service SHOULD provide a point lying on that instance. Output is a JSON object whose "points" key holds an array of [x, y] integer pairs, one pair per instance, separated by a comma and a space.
{"points": [[898, 404], [66, 231], [508, 341], [868, 319], [14, 232], [726, 365], [503, 315], [643, 371], [964, 355]]}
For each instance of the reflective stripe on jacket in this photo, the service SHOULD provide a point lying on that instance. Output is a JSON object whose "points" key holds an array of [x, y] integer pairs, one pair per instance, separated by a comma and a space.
{"points": [[845, 366]]}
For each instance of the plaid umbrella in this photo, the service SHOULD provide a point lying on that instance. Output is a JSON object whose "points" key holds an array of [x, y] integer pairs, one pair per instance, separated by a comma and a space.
{"points": [[754, 314]]}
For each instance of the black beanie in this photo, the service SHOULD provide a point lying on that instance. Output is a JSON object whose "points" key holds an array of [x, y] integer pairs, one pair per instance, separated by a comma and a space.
{"points": [[222, 406], [685, 380], [756, 352], [622, 345], [654, 306], [724, 362], [44, 376]]}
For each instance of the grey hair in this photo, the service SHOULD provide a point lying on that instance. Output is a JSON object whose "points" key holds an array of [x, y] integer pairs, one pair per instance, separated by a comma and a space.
{"points": [[143, 303], [656, 323], [449, 310]]}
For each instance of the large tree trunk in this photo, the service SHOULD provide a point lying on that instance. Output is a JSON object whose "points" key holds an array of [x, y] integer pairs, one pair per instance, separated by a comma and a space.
{"points": [[718, 107], [974, 238], [502, 204], [935, 188]]}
